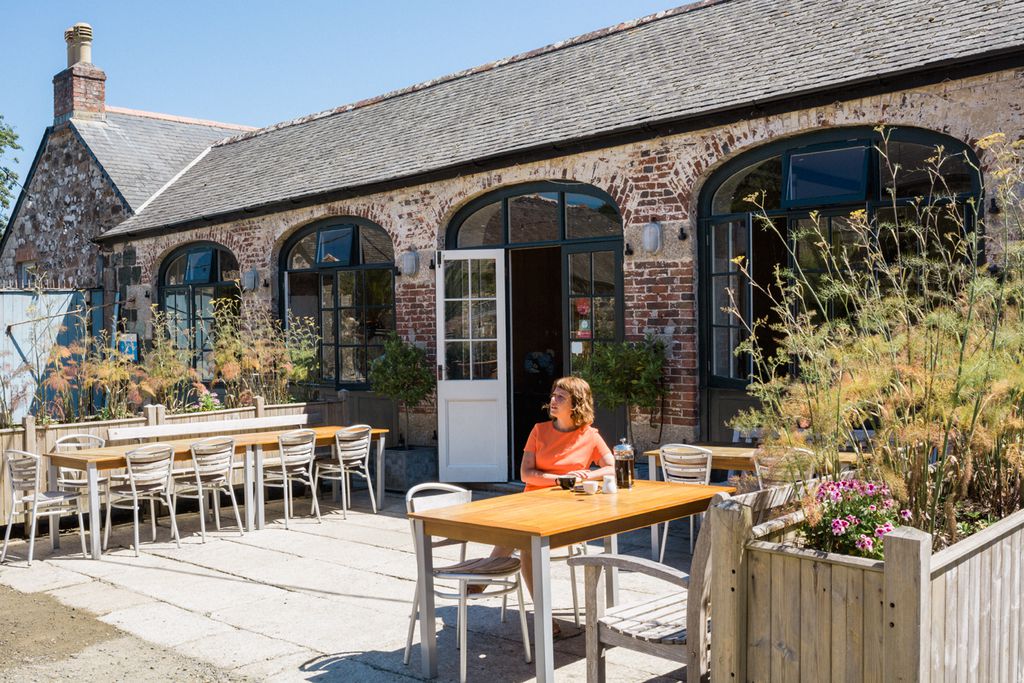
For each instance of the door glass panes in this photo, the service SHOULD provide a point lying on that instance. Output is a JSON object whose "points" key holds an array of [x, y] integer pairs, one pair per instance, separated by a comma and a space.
{"points": [[579, 273], [533, 218], [914, 170], [587, 216], [730, 297], [200, 267], [483, 228], [763, 179], [604, 273], [302, 295], [592, 301], [375, 245], [828, 176], [303, 254], [336, 246], [471, 319], [175, 272]]}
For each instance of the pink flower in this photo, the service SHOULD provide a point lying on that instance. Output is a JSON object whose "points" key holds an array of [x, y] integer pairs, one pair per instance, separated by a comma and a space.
{"points": [[852, 519], [884, 529], [906, 514], [888, 503], [839, 526], [865, 543], [872, 508]]}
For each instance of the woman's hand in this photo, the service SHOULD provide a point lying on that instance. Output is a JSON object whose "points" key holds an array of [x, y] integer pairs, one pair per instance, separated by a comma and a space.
{"points": [[579, 474]]}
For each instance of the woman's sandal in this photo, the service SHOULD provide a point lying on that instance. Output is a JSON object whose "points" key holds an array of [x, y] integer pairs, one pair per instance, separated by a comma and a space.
{"points": [[556, 630]]}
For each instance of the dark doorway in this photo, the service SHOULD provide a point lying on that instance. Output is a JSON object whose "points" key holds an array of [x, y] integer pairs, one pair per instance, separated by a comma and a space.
{"points": [[536, 330]]}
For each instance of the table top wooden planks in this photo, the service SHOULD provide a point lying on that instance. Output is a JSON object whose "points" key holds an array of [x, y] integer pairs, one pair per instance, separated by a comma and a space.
{"points": [[722, 457], [112, 457], [565, 516]]}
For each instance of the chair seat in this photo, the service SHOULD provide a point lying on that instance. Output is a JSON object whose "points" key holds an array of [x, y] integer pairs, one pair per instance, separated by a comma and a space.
{"points": [[126, 489], [207, 480], [44, 498], [660, 619], [483, 566]]}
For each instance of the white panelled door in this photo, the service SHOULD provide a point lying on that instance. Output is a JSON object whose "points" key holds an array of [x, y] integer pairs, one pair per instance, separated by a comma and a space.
{"points": [[472, 396]]}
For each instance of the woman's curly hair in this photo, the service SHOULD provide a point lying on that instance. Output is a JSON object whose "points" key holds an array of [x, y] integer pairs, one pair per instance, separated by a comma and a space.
{"points": [[582, 399]]}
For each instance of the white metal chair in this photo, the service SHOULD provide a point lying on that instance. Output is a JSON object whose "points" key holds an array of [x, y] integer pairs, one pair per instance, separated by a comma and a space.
{"points": [[24, 474], [73, 480], [212, 461], [498, 573], [351, 455], [684, 464], [149, 478], [294, 464]]}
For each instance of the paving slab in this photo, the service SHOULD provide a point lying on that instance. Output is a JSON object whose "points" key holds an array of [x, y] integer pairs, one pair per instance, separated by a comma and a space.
{"points": [[237, 648], [99, 598], [41, 576], [164, 624]]}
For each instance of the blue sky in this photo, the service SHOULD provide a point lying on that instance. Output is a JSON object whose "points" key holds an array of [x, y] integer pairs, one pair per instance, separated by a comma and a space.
{"points": [[260, 62]]}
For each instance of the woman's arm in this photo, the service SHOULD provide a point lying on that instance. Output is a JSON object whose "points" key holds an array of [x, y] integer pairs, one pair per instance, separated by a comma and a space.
{"points": [[529, 473], [605, 466]]}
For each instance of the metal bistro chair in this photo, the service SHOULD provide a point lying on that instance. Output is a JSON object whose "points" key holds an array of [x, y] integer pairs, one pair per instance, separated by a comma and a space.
{"points": [[684, 464], [149, 478], [500, 573], [212, 461], [73, 480], [351, 455], [296, 453], [24, 477]]}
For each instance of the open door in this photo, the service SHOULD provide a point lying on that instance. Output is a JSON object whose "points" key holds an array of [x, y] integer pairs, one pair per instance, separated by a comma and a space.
{"points": [[472, 387]]}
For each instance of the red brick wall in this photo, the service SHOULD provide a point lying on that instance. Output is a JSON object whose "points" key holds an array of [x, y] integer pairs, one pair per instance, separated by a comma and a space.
{"points": [[78, 89]]}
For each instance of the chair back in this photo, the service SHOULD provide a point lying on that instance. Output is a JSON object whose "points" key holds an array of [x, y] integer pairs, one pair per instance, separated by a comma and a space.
{"points": [[445, 495], [297, 447], [686, 464], [777, 469], [352, 444], [213, 456], [23, 472], [149, 467], [68, 444]]}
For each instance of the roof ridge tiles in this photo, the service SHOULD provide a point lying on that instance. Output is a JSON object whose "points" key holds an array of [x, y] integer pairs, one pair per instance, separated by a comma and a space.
{"points": [[178, 119], [489, 66]]}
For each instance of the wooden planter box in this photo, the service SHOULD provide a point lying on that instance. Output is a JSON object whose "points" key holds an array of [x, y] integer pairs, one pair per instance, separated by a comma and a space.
{"points": [[784, 613]]}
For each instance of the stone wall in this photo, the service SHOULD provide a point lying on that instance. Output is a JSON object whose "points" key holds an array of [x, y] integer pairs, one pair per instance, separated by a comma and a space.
{"points": [[69, 202], [658, 179]]}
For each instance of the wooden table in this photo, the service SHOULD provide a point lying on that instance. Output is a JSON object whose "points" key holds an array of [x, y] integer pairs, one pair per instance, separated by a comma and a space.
{"points": [[250, 445], [542, 520]]}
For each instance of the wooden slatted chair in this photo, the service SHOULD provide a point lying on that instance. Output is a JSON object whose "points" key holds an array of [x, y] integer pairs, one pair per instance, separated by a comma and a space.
{"points": [[673, 625]]}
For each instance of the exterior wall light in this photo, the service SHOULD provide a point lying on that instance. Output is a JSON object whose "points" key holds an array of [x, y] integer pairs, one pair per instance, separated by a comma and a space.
{"points": [[651, 239], [410, 263]]}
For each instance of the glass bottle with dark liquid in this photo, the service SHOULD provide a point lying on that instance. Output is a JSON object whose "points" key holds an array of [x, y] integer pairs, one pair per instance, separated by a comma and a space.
{"points": [[624, 460]]}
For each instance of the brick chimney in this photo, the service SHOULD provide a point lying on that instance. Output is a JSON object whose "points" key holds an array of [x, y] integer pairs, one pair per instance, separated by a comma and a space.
{"points": [[79, 91]]}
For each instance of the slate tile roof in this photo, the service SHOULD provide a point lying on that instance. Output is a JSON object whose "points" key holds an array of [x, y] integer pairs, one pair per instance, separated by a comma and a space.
{"points": [[683, 63], [142, 151]]}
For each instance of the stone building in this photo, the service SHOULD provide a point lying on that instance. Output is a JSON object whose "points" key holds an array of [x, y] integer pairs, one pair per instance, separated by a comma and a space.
{"points": [[509, 216]]}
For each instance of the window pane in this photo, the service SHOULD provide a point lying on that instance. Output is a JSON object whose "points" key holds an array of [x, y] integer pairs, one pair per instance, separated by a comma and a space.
{"points": [[721, 352], [378, 287], [740, 244], [347, 287], [327, 361], [336, 246], [533, 218], [200, 267], [578, 350], [327, 327], [809, 236], [829, 175], [579, 273], [604, 272], [303, 253], [456, 360], [175, 273], [350, 326], [327, 289], [456, 320], [720, 299], [485, 320], [579, 325], [379, 321], [483, 278], [302, 295], [604, 319], [485, 360], [913, 164], [375, 245], [372, 354], [721, 249], [587, 216], [456, 280], [763, 176], [847, 242], [227, 266], [353, 364], [482, 228]]}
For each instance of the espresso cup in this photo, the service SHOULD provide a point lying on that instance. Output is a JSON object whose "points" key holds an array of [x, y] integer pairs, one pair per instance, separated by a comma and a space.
{"points": [[566, 482], [590, 486]]}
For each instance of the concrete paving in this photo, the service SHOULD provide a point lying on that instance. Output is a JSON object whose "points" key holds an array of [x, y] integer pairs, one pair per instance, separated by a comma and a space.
{"points": [[323, 601]]}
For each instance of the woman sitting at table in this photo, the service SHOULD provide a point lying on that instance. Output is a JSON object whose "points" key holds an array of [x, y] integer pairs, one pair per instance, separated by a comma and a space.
{"points": [[566, 445]]}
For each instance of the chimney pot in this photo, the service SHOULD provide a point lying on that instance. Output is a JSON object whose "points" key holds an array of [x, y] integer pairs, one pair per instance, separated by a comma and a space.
{"points": [[79, 40]]}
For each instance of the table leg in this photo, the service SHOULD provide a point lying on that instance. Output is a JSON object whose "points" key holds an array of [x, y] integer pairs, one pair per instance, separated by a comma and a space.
{"points": [[51, 485], [380, 472], [611, 580], [543, 638], [428, 623], [260, 491], [92, 477], [247, 492], [652, 474]]}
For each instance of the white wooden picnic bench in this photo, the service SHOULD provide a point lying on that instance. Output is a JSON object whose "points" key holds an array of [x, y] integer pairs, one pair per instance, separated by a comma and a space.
{"points": [[672, 625]]}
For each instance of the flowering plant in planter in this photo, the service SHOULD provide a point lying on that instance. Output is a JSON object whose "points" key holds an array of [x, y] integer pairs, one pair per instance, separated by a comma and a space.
{"points": [[851, 517]]}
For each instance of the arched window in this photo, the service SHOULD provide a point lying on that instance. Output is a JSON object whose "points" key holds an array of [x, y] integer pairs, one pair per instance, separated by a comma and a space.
{"points": [[340, 273], [807, 187], [191, 277], [536, 214]]}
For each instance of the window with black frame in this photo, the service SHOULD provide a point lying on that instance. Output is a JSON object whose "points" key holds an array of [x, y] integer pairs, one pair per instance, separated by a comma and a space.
{"points": [[341, 274], [190, 280]]}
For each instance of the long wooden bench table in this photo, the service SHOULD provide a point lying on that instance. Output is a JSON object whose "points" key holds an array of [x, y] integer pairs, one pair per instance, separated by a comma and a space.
{"points": [[250, 445]]}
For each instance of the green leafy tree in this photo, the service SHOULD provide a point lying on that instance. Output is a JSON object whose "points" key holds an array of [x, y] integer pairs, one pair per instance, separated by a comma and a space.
{"points": [[402, 374], [627, 374], [8, 178]]}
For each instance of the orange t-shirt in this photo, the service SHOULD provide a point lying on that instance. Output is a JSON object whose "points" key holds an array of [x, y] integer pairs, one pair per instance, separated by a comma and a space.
{"points": [[562, 452]]}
